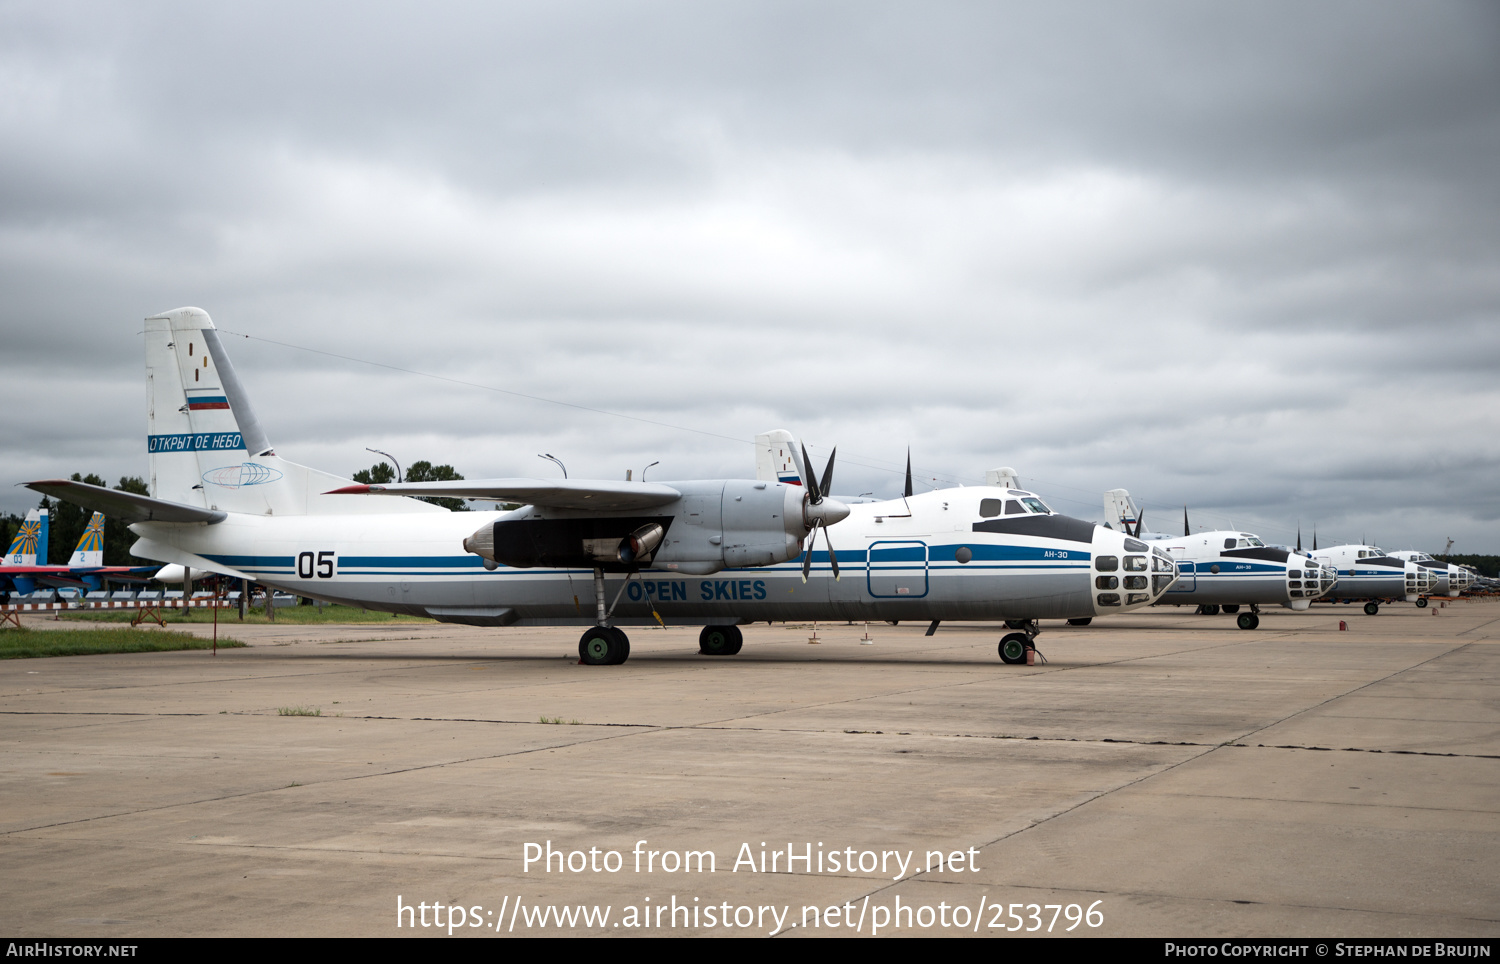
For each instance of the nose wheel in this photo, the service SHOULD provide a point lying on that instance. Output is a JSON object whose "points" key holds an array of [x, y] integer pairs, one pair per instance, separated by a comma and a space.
{"points": [[1371, 608], [1014, 646], [1247, 620]]}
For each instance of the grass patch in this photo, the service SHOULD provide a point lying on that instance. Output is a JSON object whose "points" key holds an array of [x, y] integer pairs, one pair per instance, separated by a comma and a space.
{"points": [[559, 720], [293, 615], [298, 711], [31, 643]]}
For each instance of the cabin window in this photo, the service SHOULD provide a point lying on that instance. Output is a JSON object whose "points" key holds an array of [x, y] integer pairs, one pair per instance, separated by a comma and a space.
{"points": [[1107, 563], [989, 508]]}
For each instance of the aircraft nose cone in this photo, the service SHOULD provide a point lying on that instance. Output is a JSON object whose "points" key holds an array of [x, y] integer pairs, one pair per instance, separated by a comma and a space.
{"points": [[827, 512]]}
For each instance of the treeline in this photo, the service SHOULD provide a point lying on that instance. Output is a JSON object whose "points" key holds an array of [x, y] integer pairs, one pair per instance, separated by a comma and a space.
{"points": [[381, 472], [1486, 565], [67, 522]]}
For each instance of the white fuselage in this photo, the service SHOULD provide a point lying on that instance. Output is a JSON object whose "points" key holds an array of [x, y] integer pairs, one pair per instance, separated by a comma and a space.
{"points": [[933, 556]]}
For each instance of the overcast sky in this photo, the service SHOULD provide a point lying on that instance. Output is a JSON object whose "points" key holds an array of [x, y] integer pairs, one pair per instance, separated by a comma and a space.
{"points": [[1243, 257]]}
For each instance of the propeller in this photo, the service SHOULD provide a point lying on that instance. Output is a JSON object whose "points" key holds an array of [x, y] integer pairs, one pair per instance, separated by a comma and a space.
{"points": [[1299, 538], [908, 473], [1185, 530], [820, 512]]}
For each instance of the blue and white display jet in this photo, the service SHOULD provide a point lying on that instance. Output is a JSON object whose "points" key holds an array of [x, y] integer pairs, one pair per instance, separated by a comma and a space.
{"points": [[603, 554]]}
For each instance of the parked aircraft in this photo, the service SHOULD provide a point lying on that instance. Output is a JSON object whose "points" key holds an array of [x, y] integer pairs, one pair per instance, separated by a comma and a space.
{"points": [[85, 567], [1448, 579], [1368, 572], [717, 552], [1227, 569]]}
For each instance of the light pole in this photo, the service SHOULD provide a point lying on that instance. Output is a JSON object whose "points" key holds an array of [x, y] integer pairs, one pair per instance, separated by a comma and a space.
{"points": [[399, 476]]}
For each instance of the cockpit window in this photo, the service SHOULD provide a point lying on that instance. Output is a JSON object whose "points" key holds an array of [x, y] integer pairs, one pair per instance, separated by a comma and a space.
{"points": [[1254, 541], [989, 508], [1228, 543], [1037, 505], [1012, 507]]}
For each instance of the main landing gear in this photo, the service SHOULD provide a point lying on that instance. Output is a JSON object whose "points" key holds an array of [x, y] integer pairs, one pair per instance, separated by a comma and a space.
{"points": [[603, 644], [1207, 610], [1014, 646], [1421, 602], [720, 640]]}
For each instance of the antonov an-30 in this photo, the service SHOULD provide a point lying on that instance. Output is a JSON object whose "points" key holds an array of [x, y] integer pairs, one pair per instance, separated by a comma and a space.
{"points": [[604, 554]]}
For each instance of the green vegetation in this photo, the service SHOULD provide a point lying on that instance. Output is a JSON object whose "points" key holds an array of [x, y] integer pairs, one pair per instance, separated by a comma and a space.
{"points": [[558, 719], [30, 643], [297, 615], [381, 473], [298, 711], [1487, 565]]}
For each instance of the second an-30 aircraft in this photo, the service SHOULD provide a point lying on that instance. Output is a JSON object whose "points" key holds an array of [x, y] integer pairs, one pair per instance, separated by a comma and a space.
{"points": [[603, 554]]}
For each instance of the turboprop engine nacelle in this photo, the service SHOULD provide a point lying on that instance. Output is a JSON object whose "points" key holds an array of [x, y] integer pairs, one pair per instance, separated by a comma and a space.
{"points": [[712, 526]]}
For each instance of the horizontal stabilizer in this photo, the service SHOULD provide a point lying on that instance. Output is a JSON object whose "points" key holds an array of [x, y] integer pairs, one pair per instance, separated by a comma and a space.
{"points": [[125, 505], [603, 496]]}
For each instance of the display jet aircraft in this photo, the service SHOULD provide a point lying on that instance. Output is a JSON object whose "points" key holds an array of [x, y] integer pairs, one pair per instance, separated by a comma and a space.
{"points": [[604, 554], [1227, 569], [85, 567], [1368, 572]]}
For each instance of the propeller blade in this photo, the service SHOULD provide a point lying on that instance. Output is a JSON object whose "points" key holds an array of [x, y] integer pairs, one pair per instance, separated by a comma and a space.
{"points": [[908, 472], [833, 560], [813, 494], [826, 485], [1299, 537], [807, 552], [1140, 520], [1185, 530]]}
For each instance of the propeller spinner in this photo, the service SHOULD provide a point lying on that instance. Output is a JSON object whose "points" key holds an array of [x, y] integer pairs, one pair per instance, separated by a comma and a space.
{"points": [[820, 512]]}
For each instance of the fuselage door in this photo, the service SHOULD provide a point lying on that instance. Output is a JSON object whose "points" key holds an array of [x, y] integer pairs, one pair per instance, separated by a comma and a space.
{"points": [[898, 570]]}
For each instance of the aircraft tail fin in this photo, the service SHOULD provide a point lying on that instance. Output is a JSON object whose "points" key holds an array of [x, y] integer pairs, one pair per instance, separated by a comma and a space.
{"points": [[1120, 511], [1004, 478], [776, 457], [30, 542], [90, 549], [206, 447]]}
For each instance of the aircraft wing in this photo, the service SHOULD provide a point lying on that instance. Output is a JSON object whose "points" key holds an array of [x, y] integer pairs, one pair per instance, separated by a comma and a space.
{"points": [[125, 505], [604, 496]]}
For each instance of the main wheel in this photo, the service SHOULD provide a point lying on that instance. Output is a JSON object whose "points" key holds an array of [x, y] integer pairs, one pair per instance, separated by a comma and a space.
{"points": [[1371, 608], [1013, 648], [1016, 623], [1081, 622], [603, 646], [1231, 610], [720, 640], [1247, 620], [1421, 602]]}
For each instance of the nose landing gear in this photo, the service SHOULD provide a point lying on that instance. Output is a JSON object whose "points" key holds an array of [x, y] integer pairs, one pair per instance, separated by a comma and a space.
{"points": [[1014, 646]]}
